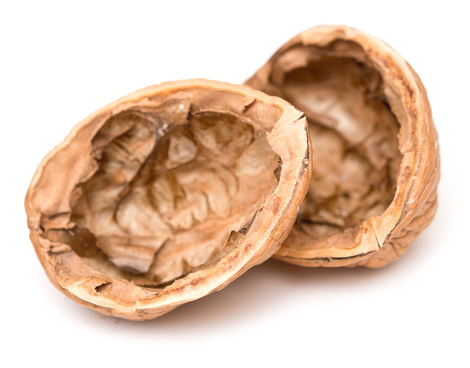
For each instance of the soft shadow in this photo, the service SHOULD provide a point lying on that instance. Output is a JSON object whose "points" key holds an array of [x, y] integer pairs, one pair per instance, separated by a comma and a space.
{"points": [[251, 296]]}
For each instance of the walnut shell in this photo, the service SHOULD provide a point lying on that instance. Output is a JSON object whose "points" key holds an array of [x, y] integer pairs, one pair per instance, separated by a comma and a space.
{"points": [[167, 195], [374, 146]]}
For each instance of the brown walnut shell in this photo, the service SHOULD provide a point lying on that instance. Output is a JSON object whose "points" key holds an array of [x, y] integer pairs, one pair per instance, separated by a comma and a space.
{"points": [[167, 195], [374, 146]]}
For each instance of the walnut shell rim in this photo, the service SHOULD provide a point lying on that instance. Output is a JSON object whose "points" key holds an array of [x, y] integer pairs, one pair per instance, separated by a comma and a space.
{"points": [[48, 201], [381, 239]]}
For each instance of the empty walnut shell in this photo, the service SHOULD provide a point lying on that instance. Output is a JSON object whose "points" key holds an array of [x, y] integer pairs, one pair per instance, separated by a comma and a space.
{"points": [[167, 195], [374, 146]]}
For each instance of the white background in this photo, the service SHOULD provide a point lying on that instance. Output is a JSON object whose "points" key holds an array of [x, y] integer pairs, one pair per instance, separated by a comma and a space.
{"points": [[61, 61]]}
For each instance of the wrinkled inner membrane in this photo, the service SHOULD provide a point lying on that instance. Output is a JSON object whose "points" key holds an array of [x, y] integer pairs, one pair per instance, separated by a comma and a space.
{"points": [[169, 189], [354, 143]]}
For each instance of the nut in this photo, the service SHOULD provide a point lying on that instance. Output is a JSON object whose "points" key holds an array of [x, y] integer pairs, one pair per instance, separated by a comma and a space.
{"points": [[374, 145], [167, 195]]}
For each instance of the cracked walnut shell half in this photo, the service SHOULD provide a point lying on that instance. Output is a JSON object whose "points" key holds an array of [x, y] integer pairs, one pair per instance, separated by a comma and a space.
{"points": [[167, 195], [374, 182]]}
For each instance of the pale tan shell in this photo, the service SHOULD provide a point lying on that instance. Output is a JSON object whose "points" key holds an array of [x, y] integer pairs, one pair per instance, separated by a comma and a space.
{"points": [[167, 195], [371, 194]]}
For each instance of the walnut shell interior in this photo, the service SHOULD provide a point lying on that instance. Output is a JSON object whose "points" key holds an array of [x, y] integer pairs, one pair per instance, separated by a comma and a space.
{"points": [[160, 206], [354, 138], [374, 146], [167, 195]]}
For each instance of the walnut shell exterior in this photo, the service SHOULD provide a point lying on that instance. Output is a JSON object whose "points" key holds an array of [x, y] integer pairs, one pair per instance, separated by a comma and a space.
{"points": [[168, 195], [375, 148]]}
